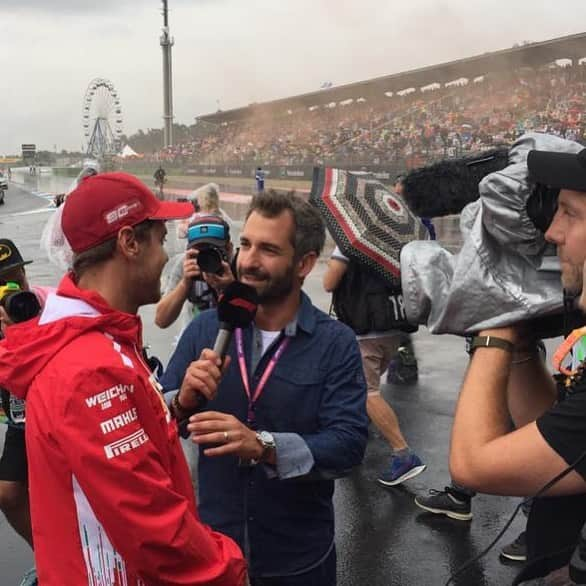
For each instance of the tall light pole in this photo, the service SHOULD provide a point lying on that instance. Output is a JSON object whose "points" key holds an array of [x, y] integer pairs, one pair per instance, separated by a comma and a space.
{"points": [[167, 43]]}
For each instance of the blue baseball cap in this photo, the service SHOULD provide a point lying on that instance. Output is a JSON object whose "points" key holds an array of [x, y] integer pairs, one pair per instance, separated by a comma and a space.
{"points": [[208, 229]]}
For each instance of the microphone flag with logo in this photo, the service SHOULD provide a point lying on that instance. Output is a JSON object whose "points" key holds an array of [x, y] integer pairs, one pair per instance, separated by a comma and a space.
{"points": [[236, 309]]}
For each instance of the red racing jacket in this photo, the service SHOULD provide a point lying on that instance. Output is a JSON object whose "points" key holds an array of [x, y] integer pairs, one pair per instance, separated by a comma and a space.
{"points": [[111, 497]]}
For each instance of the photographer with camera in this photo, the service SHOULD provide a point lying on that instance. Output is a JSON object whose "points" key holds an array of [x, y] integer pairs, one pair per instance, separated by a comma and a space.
{"points": [[549, 452], [18, 302], [196, 277]]}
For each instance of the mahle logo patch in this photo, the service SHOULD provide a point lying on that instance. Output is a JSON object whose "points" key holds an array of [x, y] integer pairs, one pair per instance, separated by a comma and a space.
{"points": [[5, 252]]}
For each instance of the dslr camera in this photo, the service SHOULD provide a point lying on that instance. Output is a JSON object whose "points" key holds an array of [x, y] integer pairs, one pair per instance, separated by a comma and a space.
{"points": [[210, 236], [19, 305]]}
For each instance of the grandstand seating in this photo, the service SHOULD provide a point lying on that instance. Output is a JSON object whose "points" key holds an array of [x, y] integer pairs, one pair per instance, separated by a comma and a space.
{"points": [[408, 129]]}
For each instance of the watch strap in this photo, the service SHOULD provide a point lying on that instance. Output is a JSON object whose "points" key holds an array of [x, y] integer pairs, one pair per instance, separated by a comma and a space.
{"points": [[491, 342]]}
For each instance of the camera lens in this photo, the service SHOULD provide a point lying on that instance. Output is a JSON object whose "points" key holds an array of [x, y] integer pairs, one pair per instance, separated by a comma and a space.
{"points": [[210, 261], [21, 306]]}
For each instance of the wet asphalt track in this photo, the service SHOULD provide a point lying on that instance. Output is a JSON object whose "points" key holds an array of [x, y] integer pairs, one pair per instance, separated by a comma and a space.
{"points": [[383, 539]]}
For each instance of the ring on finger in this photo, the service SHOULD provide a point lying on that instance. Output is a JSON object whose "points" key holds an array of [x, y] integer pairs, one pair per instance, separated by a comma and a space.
{"points": [[226, 437]]}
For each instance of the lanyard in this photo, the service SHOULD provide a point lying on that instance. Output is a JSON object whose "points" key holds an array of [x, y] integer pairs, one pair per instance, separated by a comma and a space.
{"points": [[254, 396]]}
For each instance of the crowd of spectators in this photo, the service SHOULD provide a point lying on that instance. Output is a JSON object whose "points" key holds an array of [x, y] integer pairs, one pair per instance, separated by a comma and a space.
{"points": [[414, 127]]}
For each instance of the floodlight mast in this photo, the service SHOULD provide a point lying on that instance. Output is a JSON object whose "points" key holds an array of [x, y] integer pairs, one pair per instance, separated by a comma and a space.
{"points": [[167, 43]]}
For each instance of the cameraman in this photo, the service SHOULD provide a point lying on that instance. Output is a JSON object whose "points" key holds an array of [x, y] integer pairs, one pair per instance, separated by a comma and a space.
{"points": [[485, 455], [14, 501], [187, 286]]}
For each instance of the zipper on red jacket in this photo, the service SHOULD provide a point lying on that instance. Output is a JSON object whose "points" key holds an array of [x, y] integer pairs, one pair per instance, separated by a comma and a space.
{"points": [[155, 384]]}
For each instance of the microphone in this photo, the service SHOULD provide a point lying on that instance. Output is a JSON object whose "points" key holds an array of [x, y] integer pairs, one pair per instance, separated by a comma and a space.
{"points": [[236, 309]]}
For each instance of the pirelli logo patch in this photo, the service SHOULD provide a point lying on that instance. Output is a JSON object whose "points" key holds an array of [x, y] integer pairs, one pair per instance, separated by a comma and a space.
{"points": [[126, 444]]}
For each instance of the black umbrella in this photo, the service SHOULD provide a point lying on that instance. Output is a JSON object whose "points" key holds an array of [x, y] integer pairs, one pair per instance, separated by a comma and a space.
{"points": [[369, 223]]}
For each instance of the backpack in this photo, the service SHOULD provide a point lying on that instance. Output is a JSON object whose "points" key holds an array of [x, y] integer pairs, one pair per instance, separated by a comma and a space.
{"points": [[365, 302]]}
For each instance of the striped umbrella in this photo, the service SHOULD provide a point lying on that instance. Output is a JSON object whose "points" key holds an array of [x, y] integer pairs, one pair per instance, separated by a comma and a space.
{"points": [[369, 223]]}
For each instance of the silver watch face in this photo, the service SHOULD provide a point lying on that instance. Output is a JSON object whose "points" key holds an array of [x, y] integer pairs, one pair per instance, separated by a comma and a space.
{"points": [[266, 439]]}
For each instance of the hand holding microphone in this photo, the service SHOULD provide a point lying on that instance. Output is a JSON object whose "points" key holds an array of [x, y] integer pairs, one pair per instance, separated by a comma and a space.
{"points": [[236, 309], [201, 380]]}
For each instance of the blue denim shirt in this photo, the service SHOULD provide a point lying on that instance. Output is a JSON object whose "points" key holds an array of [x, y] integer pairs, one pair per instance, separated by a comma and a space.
{"points": [[314, 404]]}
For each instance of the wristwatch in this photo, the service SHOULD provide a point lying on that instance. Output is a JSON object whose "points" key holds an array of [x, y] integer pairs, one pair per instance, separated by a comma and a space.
{"points": [[491, 342], [267, 441]]}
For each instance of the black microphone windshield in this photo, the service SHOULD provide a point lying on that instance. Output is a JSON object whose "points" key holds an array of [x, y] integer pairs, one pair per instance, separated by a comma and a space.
{"points": [[237, 305], [446, 187]]}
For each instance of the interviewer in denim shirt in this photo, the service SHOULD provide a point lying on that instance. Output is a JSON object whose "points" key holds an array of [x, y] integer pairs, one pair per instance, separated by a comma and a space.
{"points": [[267, 465]]}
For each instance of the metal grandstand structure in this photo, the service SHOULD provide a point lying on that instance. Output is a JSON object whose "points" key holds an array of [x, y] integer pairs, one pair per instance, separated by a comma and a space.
{"points": [[532, 55]]}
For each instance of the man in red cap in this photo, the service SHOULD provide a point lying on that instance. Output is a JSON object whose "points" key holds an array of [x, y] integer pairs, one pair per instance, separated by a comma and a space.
{"points": [[111, 495]]}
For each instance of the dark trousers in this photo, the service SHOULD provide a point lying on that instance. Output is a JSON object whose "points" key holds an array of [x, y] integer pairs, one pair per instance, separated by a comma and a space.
{"points": [[322, 575]]}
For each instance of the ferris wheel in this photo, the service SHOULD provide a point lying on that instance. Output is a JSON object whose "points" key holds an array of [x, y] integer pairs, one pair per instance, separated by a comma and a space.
{"points": [[102, 119]]}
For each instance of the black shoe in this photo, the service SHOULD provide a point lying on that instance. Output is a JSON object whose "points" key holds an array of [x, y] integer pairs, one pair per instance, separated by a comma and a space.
{"points": [[443, 502], [516, 550], [403, 369]]}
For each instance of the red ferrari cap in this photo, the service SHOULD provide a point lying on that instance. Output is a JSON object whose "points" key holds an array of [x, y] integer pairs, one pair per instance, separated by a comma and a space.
{"points": [[102, 204]]}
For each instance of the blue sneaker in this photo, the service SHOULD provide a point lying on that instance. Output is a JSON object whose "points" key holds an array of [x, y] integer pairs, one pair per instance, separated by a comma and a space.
{"points": [[402, 468]]}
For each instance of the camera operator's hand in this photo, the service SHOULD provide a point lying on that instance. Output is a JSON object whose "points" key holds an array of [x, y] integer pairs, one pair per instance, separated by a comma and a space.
{"points": [[220, 282], [191, 269], [201, 378]]}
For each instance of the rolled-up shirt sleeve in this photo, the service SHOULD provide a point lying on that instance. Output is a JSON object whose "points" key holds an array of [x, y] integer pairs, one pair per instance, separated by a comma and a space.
{"points": [[294, 458]]}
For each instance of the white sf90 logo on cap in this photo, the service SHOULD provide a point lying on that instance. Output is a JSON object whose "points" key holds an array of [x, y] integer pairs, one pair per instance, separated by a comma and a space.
{"points": [[121, 212]]}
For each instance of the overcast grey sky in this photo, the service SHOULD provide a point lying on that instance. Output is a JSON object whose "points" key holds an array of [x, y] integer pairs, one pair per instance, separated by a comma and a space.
{"points": [[234, 51]]}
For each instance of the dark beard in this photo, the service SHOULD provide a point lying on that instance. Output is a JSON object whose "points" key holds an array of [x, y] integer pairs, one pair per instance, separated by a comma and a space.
{"points": [[275, 289]]}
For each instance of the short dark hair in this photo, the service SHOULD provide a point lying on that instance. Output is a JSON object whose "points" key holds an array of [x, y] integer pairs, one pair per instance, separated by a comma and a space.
{"points": [[104, 251], [309, 234]]}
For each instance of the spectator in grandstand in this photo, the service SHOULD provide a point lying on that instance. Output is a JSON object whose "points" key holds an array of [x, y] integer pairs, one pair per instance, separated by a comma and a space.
{"points": [[376, 348], [414, 128]]}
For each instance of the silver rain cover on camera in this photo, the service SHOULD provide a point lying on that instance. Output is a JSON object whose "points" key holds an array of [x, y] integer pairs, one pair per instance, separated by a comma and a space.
{"points": [[504, 273]]}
